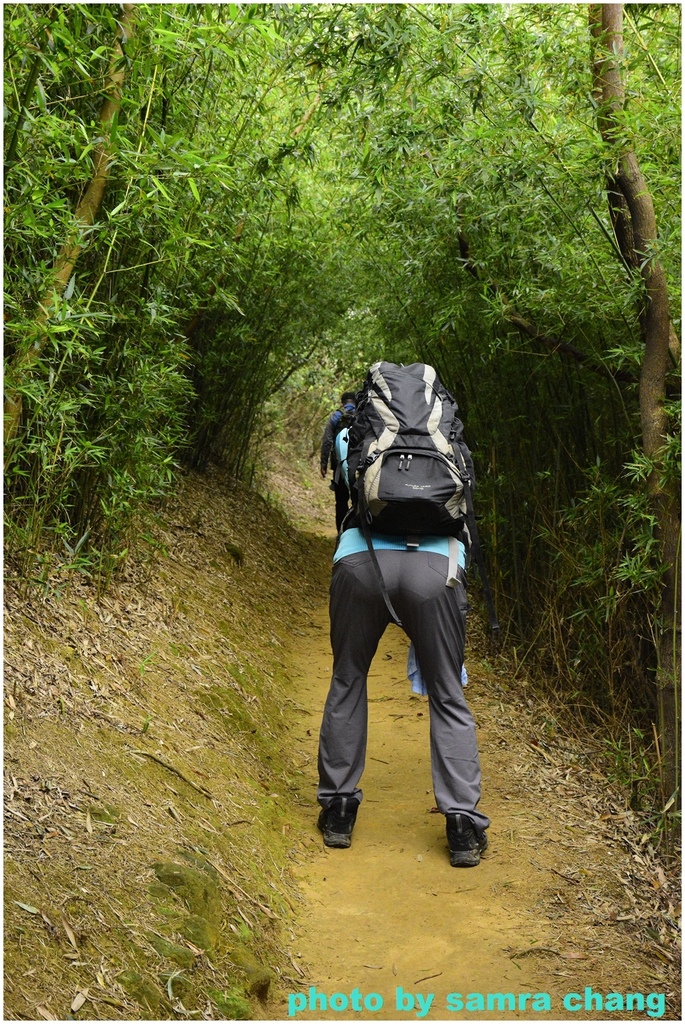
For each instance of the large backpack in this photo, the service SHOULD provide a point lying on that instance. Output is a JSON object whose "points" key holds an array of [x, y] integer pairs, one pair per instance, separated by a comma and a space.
{"points": [[410, 471], [341, 420], [341, 445], [408, 463]]}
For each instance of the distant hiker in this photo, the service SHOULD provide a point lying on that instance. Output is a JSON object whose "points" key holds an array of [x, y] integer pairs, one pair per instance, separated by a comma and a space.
{"points": [[402, 556], [337, 421]]}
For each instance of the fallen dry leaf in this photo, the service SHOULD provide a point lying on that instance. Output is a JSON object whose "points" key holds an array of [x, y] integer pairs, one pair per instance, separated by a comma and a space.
{"points": [[79, 999], [70, 933], [192, 948]]}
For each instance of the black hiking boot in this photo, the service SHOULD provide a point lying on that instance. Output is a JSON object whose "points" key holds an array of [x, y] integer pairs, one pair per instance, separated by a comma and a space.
{"points": [[465, 842], [337, 821]]}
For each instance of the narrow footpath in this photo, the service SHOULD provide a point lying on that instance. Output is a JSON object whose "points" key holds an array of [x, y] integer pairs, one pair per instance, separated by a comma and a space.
{"points": [[547, 927]]}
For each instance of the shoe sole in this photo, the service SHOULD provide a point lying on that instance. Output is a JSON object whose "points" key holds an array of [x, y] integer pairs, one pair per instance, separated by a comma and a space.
{"points": [[465, 858], [337, 840], [468, 858]]}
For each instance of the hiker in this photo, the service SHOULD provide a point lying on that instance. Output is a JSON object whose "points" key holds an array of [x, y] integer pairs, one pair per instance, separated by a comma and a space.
{"points": [[420, 582], [337, 421]]}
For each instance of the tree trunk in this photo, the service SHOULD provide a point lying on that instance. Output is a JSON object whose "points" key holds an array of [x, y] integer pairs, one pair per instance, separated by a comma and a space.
{"points": [[84, 217], [632, 212]]}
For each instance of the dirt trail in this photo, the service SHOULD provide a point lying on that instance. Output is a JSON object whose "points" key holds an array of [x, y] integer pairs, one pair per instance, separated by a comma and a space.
{"points": [[548, 912], [391, 910], [391, 913]]}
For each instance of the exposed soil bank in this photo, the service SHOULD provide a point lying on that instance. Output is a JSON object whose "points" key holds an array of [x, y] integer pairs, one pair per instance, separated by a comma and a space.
{"points": [[147, 774]]}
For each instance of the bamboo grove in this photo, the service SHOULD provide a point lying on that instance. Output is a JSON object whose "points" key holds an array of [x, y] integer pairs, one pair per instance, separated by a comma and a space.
{"points": [[214, 212]]}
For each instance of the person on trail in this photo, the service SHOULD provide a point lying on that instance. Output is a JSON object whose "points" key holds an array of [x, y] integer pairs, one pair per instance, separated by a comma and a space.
{"points": [[425, 580], [337, 421]]}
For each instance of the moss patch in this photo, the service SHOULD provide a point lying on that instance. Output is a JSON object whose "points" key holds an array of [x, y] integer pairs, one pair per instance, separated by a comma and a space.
{"points": [[232, 1005], [217, 709], [180, 955], [150, 999], [257, 978], [197, 889], [105, 812], [200, 893]]}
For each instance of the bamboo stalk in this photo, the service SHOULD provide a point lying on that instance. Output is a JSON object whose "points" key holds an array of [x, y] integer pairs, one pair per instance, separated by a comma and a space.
{"points": [[84, 217]]}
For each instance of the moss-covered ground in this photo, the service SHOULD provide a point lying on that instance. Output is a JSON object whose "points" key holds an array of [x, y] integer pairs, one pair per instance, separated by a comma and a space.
{"points": [[148, 774]]}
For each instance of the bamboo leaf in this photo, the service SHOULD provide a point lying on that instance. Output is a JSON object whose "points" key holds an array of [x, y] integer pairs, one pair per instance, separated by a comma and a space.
{"points": [[27, 907]]}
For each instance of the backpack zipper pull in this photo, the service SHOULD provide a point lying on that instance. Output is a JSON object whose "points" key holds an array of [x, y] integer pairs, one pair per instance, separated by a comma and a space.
{"points": [[402, 461], [409, 458]]}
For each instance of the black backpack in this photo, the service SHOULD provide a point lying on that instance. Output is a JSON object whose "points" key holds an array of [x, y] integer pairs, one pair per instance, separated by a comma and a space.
{"points": [[406, 475], [342, 419], [410, 471]]}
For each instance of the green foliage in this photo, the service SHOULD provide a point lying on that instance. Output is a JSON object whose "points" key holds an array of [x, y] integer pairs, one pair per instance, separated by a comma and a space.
{"points": [[299, 190], [633, 766], [605, 577], [195, 289], [483, 177]]}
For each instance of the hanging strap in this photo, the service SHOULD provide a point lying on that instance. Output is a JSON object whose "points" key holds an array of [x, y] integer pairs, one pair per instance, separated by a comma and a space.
{"points": [[475, 545], [453, 562], [366, 530]]}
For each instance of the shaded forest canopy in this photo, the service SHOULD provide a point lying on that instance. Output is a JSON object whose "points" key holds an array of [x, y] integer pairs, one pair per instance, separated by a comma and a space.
{"points": [[217, 215]]}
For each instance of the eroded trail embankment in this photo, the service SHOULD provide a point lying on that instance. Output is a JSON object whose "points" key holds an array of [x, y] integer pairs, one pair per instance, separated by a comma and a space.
{"points": [[545, 913]]}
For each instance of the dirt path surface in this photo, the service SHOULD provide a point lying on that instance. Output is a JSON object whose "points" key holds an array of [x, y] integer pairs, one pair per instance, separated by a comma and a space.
{"points": [[391, 931], [544, 912]]}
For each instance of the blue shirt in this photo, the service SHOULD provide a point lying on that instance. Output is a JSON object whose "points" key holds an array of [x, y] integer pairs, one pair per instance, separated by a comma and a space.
{"points": [[352, 542]]}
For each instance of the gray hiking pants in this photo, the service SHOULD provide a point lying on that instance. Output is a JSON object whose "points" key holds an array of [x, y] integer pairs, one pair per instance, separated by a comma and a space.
{"points": [[434, 617]]}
